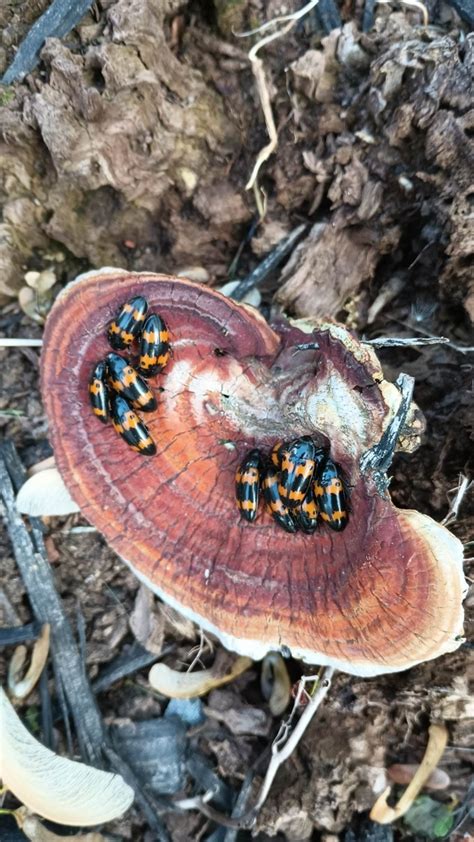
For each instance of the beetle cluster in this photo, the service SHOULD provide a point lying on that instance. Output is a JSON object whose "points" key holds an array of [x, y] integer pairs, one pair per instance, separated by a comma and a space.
{"points": [[301, 485], [116, 387]]}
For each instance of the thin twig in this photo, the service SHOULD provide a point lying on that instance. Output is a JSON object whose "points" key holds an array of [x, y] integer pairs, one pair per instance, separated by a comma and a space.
{"points": [[264, 95], [38, 578], [147, 803], [241, 803], [278, 19], [327, 15], [232, 270], [198, 650], [463, 813], [413, 4], [283, 746], [59, 18], [262, 87], [368, 15], [462, 349], [13, 635], [135, 659], [461, 491], [289, 743], [46, 711], [20, 342], [465, 10], [72, 683], [196, 801], [268, 265], [219, 818], [65, 713], [413, 341], [379, 458]]}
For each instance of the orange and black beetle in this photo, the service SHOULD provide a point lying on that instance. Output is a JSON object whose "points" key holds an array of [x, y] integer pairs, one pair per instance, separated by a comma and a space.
{"points": [[275, 505], [128, 323], [247, 485], [298, 461], [99, 392], [154, 346], [307, 514], [124, 379], [129, 426], [330, 495]]}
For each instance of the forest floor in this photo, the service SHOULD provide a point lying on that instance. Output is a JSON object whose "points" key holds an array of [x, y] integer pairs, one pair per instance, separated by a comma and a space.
{"points": [[130, 145]]}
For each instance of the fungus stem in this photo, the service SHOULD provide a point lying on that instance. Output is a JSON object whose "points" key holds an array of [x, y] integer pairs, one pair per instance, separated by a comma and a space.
{"points": [[19, 685]]}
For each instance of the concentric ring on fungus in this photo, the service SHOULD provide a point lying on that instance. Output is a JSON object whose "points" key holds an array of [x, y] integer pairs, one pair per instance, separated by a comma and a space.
{"points": [[381, 596]]}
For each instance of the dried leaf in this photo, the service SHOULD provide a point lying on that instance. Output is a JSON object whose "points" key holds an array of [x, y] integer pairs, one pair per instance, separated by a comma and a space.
{"points": [[45, 494], [226, 706], [20, 686], [176, 623], [187, 685], [147, 623], [403, 773], [381, 812], [55, 787]]}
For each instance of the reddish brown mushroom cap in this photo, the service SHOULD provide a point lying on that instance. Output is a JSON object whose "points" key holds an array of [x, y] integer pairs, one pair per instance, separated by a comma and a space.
{"points": [[381, 596]]}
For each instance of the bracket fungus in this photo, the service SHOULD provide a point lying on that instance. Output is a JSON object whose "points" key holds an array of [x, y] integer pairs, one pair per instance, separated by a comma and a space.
{"points": [[381, 596]]}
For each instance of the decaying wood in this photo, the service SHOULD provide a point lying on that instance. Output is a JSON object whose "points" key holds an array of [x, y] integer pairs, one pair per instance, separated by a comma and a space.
{"points": [[378, 459], [31, 557], [326, 268], [58, 19], [374, 145], [97, 141], [37, 575], [413, 124], [14, 635], [255, 278]]}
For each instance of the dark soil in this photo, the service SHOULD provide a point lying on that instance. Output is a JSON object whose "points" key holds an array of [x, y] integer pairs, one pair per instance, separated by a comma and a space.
{"points": [[130, 145]]}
